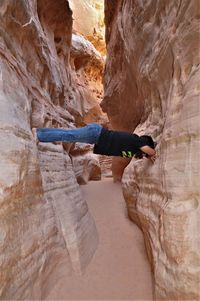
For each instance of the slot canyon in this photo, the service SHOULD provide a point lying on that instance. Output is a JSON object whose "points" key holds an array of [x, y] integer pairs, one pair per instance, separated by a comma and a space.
{"points": [[130, 65]]}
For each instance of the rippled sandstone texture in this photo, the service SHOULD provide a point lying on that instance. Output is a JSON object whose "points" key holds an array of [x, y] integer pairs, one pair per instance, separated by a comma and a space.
{"points": [[152, 86], [44, 222]]}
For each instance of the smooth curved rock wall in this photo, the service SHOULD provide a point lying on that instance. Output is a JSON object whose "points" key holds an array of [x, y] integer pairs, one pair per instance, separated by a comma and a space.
{"points": [[44, 222], [152, 86]]}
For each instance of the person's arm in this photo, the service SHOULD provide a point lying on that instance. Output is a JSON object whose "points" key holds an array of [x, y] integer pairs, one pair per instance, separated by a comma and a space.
{"points": [[149, 151]]}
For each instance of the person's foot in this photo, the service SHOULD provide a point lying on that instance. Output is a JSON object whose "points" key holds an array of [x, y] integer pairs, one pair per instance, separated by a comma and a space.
{"points": [[34, 132]]}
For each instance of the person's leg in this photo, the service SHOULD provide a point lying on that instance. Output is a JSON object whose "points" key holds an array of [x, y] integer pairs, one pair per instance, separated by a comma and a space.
{"points": [[87, 134]]}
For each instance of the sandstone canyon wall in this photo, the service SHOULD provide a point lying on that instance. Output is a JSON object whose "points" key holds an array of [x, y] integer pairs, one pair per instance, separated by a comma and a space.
{"points": [[152, 86], [92, 27], [46, 80]]}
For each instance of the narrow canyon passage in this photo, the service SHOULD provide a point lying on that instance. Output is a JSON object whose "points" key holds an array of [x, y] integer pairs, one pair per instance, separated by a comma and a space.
{"points": [[130, 66], [119, 269]]}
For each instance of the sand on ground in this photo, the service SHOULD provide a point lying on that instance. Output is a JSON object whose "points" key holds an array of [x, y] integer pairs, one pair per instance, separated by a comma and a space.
{"points": [[119, 269]]}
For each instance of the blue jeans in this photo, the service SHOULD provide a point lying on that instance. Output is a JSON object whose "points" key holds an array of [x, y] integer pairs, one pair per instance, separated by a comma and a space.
{"points": [[87, 134]]}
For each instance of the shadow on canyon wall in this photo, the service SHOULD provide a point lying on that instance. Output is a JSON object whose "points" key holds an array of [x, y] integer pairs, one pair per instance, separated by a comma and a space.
{"points": [[50, 76]]}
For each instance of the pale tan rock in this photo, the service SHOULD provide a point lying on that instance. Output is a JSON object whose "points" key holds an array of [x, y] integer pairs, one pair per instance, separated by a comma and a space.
{"points": [[86, 165], [94, 9], [82, 154], [152, 83], [44, 222], [88, 20], [106, 165], [62, 192], [87, 168]]}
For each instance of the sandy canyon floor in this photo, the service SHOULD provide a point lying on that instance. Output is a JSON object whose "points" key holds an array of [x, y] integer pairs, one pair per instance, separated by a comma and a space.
{"points": [[119, 269]]}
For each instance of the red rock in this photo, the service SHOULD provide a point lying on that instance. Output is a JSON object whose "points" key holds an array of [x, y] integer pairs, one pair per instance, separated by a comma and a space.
{"points": [[152, 86], [44, 222]]}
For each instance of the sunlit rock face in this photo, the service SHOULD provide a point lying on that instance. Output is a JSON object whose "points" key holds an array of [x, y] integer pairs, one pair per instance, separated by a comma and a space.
{"points": [[152, 86], [87, 51], [92, 27], [83, 8], [44, 222], [87, 68]]}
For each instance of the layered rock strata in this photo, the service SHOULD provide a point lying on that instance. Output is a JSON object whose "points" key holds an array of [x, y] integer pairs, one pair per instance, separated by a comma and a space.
{"points": [[62, 193], [152, 86], [44, 222]]}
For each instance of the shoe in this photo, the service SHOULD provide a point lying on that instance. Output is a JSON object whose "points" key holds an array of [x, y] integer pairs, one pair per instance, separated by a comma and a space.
{"points": [[34, 132]]}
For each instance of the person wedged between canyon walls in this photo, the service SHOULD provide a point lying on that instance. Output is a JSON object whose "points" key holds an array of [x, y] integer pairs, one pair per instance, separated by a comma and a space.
{"points": [[106, 142]]}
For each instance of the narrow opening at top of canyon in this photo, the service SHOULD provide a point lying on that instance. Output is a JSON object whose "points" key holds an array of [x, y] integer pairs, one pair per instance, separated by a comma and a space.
{"points": [[52, 58]]}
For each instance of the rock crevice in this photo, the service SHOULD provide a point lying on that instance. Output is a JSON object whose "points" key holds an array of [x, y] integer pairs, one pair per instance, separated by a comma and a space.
{"points": [[155, 91], [44, 220]]}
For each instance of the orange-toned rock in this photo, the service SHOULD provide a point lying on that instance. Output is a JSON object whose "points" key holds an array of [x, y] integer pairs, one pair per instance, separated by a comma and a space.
{"points": [[87, 66], [152, 85], [118, 165], [44, 222], [88, 18]]}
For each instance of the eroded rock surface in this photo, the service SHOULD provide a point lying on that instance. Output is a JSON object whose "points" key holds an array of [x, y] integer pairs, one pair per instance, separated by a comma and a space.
{"points": [[62, 193], [44, 222], [87, 68], [152, 86], [86, 165]]}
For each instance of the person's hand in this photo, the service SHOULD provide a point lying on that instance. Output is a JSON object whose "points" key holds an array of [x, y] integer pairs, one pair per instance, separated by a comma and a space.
{"points": [[152, 158]]}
